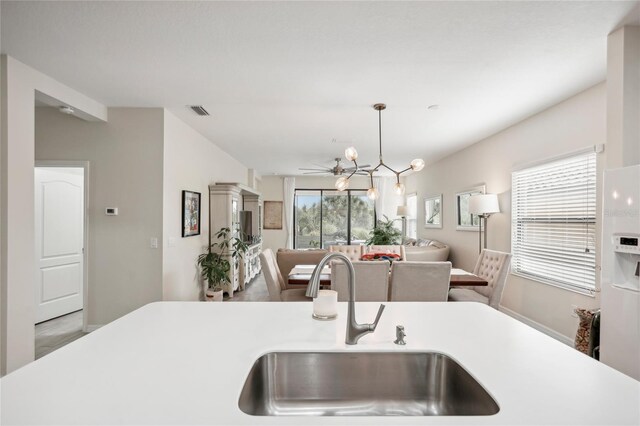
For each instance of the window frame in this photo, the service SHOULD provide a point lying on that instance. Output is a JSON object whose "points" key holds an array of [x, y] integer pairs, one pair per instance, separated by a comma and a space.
{"points": [[321, 192], [413, 218], [576, 288]]}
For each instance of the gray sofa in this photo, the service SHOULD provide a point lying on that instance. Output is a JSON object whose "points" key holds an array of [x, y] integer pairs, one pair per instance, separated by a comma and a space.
{"points": [[423, 250]]}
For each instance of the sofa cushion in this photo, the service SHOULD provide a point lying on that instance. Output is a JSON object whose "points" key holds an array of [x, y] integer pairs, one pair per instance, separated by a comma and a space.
{"points": [[430, 253], [409, 242], [437, 244]]}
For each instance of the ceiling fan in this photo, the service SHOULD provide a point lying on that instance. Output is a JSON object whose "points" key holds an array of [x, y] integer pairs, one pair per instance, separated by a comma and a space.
{"points": [[336, 170]]}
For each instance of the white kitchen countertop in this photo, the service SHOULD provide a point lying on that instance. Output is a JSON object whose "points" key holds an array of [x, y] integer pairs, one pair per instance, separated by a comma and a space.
{"points": [[186, 362]]}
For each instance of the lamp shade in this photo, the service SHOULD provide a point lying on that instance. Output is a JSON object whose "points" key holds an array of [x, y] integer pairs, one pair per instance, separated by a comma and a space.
{"points": [[483, 204], [402, 211]]}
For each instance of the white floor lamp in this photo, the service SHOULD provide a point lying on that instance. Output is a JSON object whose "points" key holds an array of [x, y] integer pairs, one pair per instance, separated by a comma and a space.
{"points": [[483, 205]]}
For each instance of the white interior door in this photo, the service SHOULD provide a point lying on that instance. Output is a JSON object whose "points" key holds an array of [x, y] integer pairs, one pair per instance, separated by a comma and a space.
{"points": [[59, 229]]}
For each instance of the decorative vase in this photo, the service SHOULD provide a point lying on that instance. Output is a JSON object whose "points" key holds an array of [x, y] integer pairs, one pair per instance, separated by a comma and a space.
{"points": [[584, 329], [213, 295]]}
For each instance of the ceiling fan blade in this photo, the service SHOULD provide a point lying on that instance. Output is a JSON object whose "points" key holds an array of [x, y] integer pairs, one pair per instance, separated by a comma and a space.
{"points": [[360, 167], [316, 173], [326, 164], [323, 170]]}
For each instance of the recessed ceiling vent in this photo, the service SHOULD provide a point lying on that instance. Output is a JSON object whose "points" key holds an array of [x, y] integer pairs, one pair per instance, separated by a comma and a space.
{"points": [[199, 109]]}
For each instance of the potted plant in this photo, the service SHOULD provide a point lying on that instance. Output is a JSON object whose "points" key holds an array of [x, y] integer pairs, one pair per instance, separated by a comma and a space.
{"points": [[384, 233], [215, 263]]}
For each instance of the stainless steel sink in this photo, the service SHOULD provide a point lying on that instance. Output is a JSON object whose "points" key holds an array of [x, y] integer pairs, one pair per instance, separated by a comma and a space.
{"points": [[362, 384]]}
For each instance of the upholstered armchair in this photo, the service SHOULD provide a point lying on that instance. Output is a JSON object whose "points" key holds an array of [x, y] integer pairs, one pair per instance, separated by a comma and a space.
{"points": [[372, 281], [354, 252], [493, 266], [275, 282], [420, 281]]}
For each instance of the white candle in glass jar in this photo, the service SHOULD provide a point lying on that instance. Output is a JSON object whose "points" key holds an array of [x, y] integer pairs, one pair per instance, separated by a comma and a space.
{"points": [[325, 306]]}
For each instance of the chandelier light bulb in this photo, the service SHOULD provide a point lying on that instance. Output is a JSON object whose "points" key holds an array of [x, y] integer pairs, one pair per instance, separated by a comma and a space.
{"points": [[399, 188], [351, 154], [372, 193], [342, 183], [417, 164]]}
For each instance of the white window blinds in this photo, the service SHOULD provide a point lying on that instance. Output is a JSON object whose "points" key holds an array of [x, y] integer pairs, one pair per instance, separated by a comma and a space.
{"points": [[553, 222]]}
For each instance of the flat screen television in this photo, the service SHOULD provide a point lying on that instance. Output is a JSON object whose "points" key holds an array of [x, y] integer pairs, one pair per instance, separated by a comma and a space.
{"points": [[245, 225]]}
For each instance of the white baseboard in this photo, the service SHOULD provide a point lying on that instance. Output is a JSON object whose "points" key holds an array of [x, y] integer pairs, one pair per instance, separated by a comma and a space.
{"points": [[92, 327], [541, 328]]}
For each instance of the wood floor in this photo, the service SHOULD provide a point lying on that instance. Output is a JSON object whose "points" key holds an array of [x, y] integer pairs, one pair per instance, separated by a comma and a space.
{"points": [[56, 333]]}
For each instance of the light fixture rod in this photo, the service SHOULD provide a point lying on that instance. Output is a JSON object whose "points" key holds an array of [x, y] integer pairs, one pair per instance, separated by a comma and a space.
{"points": [[380, 133], [388, 168], [354, 170], [351, 154]]}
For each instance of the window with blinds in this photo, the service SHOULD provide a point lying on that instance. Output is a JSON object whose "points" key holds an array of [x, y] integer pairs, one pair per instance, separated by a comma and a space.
{"points": [[412, 217], [553, 222]]}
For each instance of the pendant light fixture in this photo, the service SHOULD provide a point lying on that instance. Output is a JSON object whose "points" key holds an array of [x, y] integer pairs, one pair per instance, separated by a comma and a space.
{"points": [[352, 155]]}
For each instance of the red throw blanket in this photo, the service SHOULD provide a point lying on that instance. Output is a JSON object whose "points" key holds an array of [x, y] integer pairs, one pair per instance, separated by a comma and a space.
{"points": [[381, 256]]}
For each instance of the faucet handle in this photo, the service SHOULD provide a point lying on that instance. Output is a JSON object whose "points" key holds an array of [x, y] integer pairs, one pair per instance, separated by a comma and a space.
{"points": [[375, 322], [400, 335]]}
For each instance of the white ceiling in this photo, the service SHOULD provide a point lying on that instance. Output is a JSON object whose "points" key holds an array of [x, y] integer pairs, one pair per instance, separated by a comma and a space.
{"points": [[282, 79]]}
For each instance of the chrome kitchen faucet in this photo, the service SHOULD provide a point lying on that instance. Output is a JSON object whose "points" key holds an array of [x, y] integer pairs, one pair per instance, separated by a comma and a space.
{"points": [[354, 330]]}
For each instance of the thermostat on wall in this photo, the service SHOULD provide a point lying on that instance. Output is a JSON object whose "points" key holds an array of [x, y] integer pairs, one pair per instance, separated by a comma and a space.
{"points": [[111, 211]]}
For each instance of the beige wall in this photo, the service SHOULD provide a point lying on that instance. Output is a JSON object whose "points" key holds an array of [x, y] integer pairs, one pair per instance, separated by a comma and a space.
{"points": [[125, 157], [572, 125], [20, 86], [271, 188], [623, 97], [191, 162]]}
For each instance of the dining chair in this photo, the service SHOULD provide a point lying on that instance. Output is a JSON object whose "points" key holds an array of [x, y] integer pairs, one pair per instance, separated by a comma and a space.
{"points": [[420, 281], [395, 249], [275, 283], [493, 266], [371, 281], [354, 252]]}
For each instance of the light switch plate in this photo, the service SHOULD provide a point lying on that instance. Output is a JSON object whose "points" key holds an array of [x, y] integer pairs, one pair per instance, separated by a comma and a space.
{"points": [[153, 243], [111, 211]]}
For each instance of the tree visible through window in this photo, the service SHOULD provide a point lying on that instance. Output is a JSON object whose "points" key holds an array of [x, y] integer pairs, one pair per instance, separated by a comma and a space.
{"points": [[324, 218]]}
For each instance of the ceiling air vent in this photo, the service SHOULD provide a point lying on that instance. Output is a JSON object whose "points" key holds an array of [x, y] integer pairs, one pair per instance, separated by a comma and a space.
{"points": [[199, 109]]}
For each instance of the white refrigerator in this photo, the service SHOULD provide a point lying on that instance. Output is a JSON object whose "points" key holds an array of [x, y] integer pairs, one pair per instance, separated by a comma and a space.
{"points": [[620, 280]]}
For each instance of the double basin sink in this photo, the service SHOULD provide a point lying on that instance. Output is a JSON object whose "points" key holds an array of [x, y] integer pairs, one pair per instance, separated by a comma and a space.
{"points": [[362, 384]]}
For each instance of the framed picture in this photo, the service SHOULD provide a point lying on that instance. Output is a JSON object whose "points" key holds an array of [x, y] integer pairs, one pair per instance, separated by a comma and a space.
{"points": [[272, 215], [466, 221], [190, 213], [433, 211]]}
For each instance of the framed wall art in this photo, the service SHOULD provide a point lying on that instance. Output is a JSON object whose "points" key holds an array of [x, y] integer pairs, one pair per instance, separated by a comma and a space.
{"points": [[433, 211], [190, 213], [272, 215], [466, 221]]}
